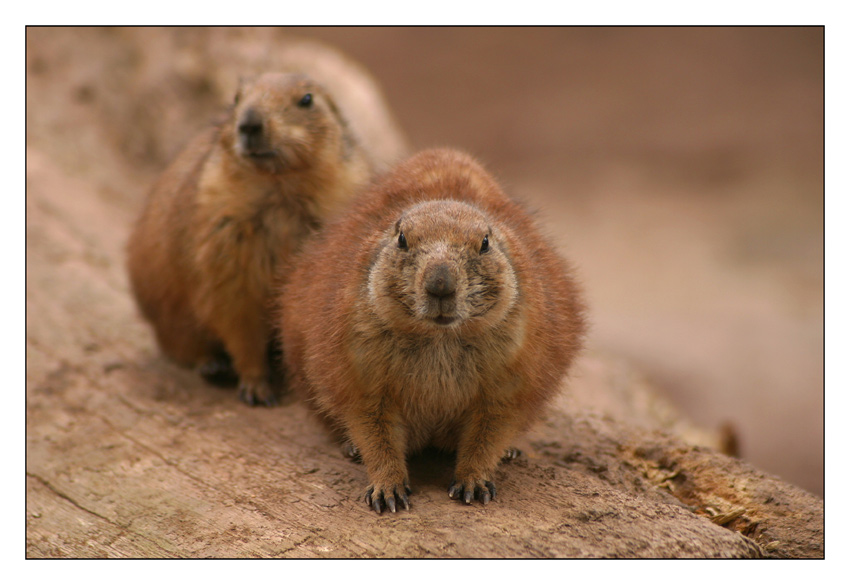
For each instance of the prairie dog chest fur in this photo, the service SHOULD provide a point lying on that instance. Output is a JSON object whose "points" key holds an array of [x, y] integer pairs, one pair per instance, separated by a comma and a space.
{"points": [[246, 234], [435, 380], [439, 385]]}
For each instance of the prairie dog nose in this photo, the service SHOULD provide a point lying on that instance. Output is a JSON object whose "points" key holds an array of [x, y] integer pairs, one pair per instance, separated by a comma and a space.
{"points": [[440, 282], [251, 129]]}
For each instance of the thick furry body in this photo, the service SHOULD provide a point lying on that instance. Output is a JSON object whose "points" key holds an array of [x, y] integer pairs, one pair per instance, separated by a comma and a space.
{"points": [[231, 209], [433, 313]]}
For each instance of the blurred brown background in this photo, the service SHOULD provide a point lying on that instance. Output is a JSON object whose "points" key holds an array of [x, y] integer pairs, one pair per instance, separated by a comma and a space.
{"points": [[680, 169]]}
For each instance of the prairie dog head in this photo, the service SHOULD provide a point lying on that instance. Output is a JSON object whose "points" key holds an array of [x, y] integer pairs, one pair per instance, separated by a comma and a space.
{"points": [[442, 266], [285, 122]]}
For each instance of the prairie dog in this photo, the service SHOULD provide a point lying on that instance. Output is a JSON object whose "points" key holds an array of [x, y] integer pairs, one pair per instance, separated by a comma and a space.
{"points": [[232, 208], [434, 313]]}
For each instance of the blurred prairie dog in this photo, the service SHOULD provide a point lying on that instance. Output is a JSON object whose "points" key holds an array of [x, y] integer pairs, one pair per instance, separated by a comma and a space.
{"points": [[364, 105], [433, 313], [232, 208]]}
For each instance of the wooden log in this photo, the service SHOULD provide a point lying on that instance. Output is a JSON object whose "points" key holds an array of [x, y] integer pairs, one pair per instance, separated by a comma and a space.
{"points": [[131, 456]]}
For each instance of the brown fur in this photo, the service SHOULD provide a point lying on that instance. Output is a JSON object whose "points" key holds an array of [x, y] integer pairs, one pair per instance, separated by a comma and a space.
{"points": [[362, 334], [229, 211]]}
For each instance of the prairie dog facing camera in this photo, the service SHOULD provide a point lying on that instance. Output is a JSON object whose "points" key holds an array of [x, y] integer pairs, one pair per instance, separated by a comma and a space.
{"points": [[232, 208], [433, 313]]}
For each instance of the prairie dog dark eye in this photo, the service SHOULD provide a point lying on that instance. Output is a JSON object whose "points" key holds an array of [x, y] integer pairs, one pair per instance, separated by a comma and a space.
{"points": [[306, 101], [402, 241], [485, 245]]}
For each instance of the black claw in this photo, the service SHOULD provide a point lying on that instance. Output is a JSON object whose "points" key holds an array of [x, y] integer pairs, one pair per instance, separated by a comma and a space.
{"points": [[392, 501], [407, 488], [482, 494], [467, 496], [246, 395]]}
